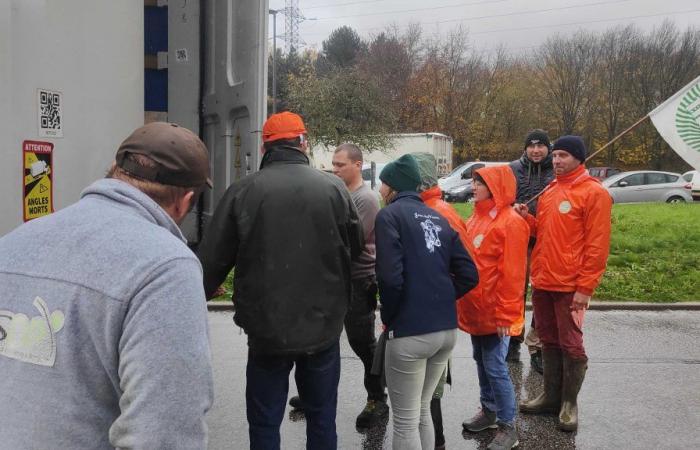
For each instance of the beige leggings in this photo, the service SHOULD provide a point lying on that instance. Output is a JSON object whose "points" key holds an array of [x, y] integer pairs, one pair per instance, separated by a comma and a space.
{"points": [[414, 365]]}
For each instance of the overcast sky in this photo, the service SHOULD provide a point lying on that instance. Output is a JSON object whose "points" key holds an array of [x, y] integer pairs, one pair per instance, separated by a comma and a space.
{"points": [[519, 25]]}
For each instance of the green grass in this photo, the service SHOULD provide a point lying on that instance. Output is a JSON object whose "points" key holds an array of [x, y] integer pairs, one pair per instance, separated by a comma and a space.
{"points": [[654, 253]]}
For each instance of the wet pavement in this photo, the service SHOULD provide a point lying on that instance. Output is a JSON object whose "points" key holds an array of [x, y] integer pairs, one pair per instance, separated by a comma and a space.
{"points": [[642, 390]]}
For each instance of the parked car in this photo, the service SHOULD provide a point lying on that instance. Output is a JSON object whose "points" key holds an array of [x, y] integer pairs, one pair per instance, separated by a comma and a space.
{"points": [[693, 177], [648, 186], [367, 175], [602, 173], [457, 186]]}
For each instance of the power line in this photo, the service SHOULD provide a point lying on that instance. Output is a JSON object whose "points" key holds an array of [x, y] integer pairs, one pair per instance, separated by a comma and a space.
{"points": [[538, 26], [334, 5], [402, 11], [534, 11], [588, 21]]}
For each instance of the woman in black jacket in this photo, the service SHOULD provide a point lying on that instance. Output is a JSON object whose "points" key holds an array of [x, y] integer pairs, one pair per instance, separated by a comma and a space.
{"points": [[422, 269]]}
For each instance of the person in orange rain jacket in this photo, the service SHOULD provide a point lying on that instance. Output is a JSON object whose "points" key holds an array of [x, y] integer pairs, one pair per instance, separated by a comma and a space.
{"points": [[573, 240], [431, 194], [497, 239]]}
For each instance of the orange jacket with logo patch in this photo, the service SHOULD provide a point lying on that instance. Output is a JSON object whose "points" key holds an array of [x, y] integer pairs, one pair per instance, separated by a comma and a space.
{"points": [[497, 240], [573, 234]]}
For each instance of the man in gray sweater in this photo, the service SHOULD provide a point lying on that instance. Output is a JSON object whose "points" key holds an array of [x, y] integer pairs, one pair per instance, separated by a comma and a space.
{"points": [[360, 318], [103, 327]]}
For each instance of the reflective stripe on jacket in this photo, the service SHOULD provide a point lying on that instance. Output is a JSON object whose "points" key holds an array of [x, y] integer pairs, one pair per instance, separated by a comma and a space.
{"points": [[573, 234], [497, 239]]}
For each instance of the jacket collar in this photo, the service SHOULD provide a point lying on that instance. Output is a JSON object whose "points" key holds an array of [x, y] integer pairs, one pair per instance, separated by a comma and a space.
{"points": [[284, 154], [574, 177], [486, 207], [407, 195], [133, 200], [430, 194]]}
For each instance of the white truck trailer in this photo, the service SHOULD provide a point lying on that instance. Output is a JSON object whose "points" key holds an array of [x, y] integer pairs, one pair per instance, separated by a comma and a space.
{"points": [[438, 144], [76, 77]]}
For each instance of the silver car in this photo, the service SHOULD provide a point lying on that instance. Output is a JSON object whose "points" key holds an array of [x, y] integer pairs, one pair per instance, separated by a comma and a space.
{"points": [[648, 186]]}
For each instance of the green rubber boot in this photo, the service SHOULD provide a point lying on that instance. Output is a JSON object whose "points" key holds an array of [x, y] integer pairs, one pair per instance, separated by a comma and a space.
{"points": [[574, 373], [549, 401]]}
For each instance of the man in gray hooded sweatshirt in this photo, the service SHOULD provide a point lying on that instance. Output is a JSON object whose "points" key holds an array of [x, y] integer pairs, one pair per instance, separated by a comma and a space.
{"points": [[103, 327]]}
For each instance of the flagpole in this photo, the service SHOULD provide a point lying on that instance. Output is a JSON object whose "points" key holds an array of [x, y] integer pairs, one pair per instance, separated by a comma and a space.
{"points": [[635, 125]]}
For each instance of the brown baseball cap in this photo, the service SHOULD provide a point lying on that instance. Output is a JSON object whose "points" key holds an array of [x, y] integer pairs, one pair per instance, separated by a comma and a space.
{"points": [[181, 157]]}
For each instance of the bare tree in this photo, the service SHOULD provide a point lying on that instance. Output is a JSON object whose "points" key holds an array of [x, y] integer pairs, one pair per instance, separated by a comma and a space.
{"points": [[566, 67]]}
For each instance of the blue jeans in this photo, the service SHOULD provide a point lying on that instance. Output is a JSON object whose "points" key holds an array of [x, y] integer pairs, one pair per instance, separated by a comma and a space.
{"points": [[497, 393], [317, 377]]}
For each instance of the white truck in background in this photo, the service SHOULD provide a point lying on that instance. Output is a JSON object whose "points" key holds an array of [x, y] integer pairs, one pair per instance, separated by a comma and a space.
{"points": [[438, 144]]}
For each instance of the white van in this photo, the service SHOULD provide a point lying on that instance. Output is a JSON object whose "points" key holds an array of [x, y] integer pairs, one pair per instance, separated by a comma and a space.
{"points": [[457, 186]]}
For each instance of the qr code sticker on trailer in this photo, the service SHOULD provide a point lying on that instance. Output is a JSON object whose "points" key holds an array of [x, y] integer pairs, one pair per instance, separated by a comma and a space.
{"points": [[50, 113]]}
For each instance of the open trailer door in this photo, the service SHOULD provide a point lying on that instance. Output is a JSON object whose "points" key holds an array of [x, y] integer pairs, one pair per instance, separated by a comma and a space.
{"points": [[217, 85]]}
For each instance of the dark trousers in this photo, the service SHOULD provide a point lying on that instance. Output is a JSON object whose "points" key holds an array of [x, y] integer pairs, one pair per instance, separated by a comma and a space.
{"points": [[557, 324], [359, 326], [317, 377]]}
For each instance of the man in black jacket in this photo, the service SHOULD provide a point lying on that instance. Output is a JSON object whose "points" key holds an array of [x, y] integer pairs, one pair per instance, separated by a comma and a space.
{"points": [[533, 172], [291, 232]]}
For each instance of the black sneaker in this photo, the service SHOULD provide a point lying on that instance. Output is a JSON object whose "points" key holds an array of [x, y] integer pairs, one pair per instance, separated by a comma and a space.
{"points": [[295, 402], [536, 361], [506, 438], [513, 352], [482, 420], [372, 414]]}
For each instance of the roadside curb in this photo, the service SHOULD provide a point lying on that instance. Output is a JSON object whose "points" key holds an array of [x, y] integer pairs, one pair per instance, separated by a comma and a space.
{"points": [[595, 306]]}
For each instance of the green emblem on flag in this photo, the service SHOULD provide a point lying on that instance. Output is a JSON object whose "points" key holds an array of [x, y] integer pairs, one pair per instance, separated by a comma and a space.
{"points": [[688, 118]]}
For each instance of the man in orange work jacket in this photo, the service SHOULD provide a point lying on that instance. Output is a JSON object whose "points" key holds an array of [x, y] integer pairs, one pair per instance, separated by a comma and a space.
{"points": [[568, 261], [431, 195], [493, 311]]}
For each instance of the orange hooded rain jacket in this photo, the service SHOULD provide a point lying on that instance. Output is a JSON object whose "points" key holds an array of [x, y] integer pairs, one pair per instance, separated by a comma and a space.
{"points": [[573, 234], [497, 240]]}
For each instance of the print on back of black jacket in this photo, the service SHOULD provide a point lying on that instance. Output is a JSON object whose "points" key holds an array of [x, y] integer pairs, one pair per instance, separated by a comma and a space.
{"points": [[290, 231], [422, 268]]}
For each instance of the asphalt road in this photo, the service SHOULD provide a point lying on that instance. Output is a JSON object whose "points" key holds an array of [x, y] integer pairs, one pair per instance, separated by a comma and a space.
{"points": [[642, 390]]}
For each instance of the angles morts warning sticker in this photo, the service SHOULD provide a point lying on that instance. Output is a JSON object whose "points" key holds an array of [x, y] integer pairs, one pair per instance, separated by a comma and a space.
{"points": [[38, 179]]}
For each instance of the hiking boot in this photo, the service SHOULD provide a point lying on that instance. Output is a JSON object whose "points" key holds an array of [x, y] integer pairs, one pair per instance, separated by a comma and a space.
{"points": [[295, 402], [574, 373], [506, 438], [374, 412], [436, 415], [482, 420], [536, 361], [549, 401], [513, 351]]}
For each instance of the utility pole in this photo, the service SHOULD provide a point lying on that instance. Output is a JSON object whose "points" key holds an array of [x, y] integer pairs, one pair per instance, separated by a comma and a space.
{"points": [[274, 59]]}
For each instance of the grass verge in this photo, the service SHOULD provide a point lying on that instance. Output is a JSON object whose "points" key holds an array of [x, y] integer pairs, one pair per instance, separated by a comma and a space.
{"points": [[654, 253]]}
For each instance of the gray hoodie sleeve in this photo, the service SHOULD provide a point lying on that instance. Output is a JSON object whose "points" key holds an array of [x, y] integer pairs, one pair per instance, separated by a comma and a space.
{"points": [[165, 363]]}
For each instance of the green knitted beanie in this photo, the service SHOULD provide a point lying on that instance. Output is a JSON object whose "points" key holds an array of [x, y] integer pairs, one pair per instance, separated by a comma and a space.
{"points": [[402, 174]]}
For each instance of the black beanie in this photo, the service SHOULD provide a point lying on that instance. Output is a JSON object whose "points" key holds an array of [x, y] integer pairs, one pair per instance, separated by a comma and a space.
{"points": [[573, 145], [402, 174], [537, 136]]}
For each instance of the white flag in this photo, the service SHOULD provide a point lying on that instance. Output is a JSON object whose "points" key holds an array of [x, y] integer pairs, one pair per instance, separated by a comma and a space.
{"points": [[678, 122]]}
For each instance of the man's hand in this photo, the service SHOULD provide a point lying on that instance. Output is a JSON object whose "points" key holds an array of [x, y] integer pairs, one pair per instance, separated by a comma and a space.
{"points": [[502, 331], [580, 301], [521, 208]]}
